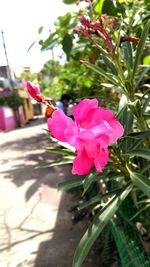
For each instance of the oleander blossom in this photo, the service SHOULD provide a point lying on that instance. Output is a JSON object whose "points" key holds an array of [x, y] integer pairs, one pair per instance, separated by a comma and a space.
{"points": [[93, 130], [34, 91]]}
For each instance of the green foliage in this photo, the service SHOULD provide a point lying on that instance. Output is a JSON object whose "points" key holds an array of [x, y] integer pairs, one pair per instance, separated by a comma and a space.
{"points": [[99, 222], [141, 46], [62, 36], [51, 69], [13, 101], [71, 78], [28, 76]]}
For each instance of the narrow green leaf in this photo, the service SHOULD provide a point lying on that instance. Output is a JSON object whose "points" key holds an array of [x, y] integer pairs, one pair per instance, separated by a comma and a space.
{"points": [[146, 103], [109, 64], [146, 206], [142, 182], [69, 1], [32, 45], [146, 116], [89, 179], [97, 198], [63, 144], [128, 54], [90, 202], [50, 41], [140, 47], [143, 153], [141, 76], [56, 163], [101, 72], [137, 143], [145, 169], [61, 151], [139, 135], [98, 224], [70, 184]]}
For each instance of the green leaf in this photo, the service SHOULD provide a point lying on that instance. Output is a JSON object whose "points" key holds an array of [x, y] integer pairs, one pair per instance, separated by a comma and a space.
{"points": [[135, 107], [98, 224], [99, 197], [101, 72], [73, 183], [122, 103], [140, 47], [32, 45], [98, 6], [139, 135], [40, 30], [62, 22], [109, 64], [61, 151], [128, 54], [69, 1], [89, 179], [56, 163], [67, 44], [50, 42], [146, 60], [90, 202], [142, 182], [141, 76], [146, 206], [143, 153], [126, 119], [64, 144], [146, 116], [146, 103], [145, 169], [109, 8]]}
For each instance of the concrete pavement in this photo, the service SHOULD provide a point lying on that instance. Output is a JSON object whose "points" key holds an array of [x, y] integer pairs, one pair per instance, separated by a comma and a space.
{"points": [[36, 229]]}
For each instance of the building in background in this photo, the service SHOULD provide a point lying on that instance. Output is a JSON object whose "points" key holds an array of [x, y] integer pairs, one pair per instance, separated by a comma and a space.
{"points": [[9, 86]]}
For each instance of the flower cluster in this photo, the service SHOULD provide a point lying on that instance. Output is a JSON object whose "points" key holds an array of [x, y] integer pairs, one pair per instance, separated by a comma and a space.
{"points": [[89, 29], [93, 130]]}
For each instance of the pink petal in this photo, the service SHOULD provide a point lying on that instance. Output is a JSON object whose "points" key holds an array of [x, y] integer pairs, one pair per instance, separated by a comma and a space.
{"points": [[71, 133], [82, 164], [103, 114], [89, 142], [81, 110], [58, 124], [117, 132], [101, 160], [102, 128]]}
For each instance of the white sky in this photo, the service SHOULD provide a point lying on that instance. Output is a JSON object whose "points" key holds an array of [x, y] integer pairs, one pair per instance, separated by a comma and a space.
{"points": [[20, 21]]}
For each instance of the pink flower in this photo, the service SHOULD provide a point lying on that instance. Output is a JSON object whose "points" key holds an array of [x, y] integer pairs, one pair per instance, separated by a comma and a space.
{"points": [[92, 132], [34, 91]]}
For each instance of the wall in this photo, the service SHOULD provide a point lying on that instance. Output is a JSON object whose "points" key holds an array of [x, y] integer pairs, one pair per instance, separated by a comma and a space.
{"points": [[7, 118]]}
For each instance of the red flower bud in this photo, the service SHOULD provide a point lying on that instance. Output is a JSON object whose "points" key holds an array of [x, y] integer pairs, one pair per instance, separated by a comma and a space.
{"points": [[34, 91]]}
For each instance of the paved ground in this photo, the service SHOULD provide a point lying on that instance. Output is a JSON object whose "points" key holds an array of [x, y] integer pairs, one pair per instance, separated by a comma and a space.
{"points": [[35, 222]]}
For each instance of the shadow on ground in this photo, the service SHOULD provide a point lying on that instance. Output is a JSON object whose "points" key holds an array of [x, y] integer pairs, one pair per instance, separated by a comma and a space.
{"points": [[25, 158], [59, 250], [56, 239]]}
